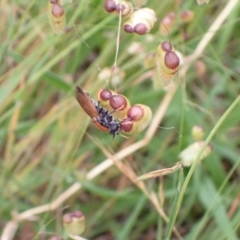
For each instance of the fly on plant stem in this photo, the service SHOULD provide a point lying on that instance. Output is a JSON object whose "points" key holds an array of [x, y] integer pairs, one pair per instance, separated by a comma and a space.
{"points": [[100, 116]]}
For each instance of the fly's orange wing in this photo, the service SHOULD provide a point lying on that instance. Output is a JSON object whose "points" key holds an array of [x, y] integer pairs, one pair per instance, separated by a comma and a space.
{"points": [[86, 103]]}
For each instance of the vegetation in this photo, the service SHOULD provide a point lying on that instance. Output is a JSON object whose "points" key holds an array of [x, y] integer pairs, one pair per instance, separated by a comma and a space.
{"points": [[53, 158]]}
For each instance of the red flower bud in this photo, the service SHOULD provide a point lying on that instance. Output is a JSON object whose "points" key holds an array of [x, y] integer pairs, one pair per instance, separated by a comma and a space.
{"points": [[121, 7], [166, 46], [110, 6], [105, 94], [57, 10], [135, 113], [56, 16], [171, 60], [140, 21], [167, 63], [126, 125], [116, 103], [138, 118], [141, 29], [128, 28]]}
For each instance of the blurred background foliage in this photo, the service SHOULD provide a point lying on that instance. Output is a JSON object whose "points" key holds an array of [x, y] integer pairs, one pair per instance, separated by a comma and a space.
{"points": [[46, 140]]}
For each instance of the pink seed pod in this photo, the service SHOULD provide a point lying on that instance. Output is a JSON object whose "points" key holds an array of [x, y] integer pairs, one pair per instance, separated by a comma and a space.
{"points": [[141, 29], [167, 63], [138, 118], [104, 96], [118, 104], [56, 16], [140, 21], [110, 6], [122, 7], [57, 11], [187, 16], [128, 27], [168, 23], [74, 222]]}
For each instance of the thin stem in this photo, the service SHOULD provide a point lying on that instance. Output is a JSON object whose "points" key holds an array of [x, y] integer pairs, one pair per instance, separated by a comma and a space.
{"points": [[190, 173]]}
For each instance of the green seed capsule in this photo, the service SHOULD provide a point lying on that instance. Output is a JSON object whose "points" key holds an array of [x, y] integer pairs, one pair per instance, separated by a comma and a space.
{"points": [[74, 222], [116, 103], [189, 154], [138, 118], [167, 63]]}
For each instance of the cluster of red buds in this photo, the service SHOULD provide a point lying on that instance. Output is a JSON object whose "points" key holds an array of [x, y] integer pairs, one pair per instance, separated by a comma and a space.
{"points": [[113, 102], [131, 119], [167, 63], [137, 119], [140, 21], [56, 16], [122, 7]]}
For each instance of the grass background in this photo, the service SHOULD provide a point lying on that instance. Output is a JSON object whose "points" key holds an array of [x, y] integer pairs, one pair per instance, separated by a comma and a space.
{"points": [[47, 143]]}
